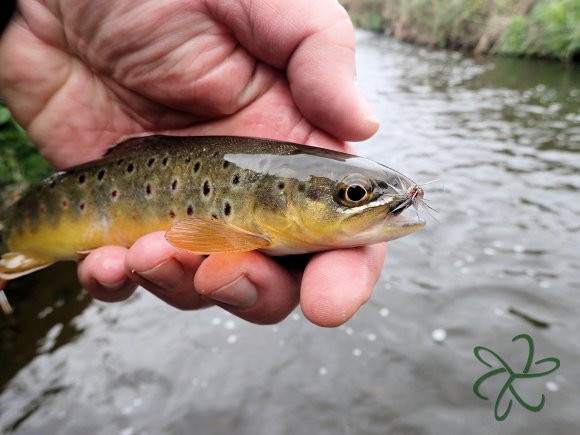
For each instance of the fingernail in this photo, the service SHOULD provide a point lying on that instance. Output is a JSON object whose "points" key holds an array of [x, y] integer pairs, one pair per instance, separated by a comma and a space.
{"points": [[167, 275], [367, 111], [240, 293], [113, 286], [369, 114]]}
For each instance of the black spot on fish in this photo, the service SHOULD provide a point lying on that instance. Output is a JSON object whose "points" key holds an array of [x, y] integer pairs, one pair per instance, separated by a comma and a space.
{"points": [[148, 190], [174, 185], [190, 210], [52, 184], [281, 185], [214, 216], [196, 166], [226, 164], [165, 161], [82, 178], [227, 209], [120, 162], [171, 214], [187, 159], [101, 175], [130, 168], [236, 179], [301, 187], [82, 206], [150, 162], [206, 188]]}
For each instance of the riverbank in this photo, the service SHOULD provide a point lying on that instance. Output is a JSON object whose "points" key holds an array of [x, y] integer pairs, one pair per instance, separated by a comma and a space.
{"points": [[20, 162], [543, 28]]}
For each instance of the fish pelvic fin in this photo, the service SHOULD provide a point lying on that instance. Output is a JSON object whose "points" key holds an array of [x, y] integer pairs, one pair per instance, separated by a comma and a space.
{"points": [[17, 264], [211, 236]]}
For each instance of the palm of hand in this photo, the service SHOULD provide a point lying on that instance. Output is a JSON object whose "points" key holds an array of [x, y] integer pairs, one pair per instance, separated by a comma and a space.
{"points": [[184, 71]]}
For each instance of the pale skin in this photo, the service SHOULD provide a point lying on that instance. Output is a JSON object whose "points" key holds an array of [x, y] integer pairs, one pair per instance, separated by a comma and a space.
{"points": [[80, 76]]}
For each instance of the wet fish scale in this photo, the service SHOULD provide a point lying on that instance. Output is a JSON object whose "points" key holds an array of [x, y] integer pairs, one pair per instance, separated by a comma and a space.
{"points": [[226, 193]]}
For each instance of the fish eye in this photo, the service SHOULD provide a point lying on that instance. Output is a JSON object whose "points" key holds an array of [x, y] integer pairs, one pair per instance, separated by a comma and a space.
{"points": [[354, 190]]}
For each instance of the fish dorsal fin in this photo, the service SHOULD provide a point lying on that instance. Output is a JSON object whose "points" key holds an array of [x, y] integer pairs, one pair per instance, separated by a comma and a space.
{"points": [[16, 264], [129, 145], [211, 236]]}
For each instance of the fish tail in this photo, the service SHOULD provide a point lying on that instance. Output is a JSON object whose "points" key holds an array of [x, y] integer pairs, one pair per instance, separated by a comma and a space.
{"points": [[16, 264], [4, 303]]}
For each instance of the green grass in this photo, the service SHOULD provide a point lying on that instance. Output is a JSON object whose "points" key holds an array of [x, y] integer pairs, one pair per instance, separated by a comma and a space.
{"points": [[20, 162]]}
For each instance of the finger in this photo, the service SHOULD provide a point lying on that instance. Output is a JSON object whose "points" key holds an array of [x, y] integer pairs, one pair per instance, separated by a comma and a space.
{"points": [[314, 42], [337, 283], [165, 271], [102, 274], [249, 285]]}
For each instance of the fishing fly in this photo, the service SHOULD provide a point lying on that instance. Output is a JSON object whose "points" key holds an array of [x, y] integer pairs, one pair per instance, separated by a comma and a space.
{"points": [[412, 196]]}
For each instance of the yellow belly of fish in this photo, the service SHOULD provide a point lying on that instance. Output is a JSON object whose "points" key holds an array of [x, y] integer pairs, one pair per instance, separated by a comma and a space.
{"points": [[68, 238]]}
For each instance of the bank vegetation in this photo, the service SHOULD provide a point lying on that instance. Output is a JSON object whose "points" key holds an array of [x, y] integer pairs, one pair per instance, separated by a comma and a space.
{"points": [[543, 28]]}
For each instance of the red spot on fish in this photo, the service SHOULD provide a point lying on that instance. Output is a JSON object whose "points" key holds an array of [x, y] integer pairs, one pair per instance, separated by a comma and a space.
{"points": [[42, 209], [172, 214], [82, 205], [133, 216], [114, 193], [64, 203]]}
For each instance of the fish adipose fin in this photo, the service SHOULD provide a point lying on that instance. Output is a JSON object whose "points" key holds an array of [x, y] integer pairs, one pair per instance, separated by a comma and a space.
{"points": [[16, 264], [211, 236]]}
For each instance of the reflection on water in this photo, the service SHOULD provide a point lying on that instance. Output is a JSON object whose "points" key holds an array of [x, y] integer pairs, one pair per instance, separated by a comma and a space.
{"points": [[502, 136]]}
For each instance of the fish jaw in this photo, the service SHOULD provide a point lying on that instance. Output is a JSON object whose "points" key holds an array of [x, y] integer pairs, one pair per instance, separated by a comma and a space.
{"points": [[399, 226]]}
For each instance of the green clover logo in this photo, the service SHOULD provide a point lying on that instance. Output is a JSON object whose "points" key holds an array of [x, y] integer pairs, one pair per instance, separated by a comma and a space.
{"points": [[513, 375]]}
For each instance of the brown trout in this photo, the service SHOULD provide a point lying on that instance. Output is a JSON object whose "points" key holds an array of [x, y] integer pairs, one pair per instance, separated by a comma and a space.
{"points": [[211, 194]]}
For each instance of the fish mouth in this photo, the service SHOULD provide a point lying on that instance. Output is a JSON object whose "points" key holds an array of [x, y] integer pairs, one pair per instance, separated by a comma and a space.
{"points": [[400, 225]]}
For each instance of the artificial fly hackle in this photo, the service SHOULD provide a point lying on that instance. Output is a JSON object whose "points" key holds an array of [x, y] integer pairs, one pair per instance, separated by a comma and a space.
{"points": [[412, 196]]}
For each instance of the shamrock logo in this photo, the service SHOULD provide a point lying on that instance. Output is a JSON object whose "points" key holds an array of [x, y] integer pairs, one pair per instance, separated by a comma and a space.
{"points": [[513, 375]]}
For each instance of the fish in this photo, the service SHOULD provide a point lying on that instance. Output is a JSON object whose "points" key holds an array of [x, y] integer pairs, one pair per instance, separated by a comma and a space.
{"points": [[211, 194]]}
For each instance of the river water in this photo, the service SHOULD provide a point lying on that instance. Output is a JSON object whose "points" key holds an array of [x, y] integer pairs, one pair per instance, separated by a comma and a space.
{"points": [[502, 137]]}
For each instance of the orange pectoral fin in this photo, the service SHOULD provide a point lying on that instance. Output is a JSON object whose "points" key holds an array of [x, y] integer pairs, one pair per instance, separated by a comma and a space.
{"points": [[16, 264], [211, 236]]}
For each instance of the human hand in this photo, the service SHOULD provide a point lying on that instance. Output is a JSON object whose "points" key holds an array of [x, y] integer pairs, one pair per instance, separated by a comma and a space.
{"points": [[80, 76]]}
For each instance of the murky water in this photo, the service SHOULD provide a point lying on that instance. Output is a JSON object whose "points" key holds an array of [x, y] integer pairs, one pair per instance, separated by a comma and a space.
{"points": [[502, 136]]}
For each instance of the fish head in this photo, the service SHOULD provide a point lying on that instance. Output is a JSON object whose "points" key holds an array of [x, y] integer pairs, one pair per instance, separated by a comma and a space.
{"points": [[339, 203]]}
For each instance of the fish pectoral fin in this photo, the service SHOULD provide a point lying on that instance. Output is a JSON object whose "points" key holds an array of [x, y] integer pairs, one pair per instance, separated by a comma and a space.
{"points": [[81, 255], [16, 264], [211, 236]]}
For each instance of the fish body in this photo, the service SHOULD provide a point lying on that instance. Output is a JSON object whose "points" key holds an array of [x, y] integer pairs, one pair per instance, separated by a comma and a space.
{"points": [[211, 194]]}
